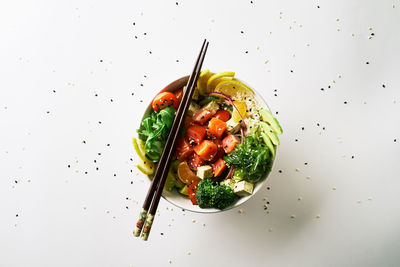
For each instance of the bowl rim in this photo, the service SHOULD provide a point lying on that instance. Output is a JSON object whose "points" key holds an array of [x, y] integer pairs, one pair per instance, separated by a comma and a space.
{"points": [[180, 83]]}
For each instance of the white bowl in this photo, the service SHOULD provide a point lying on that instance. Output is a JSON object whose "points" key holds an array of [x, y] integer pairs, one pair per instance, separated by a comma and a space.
{"points": [[178, 199]]}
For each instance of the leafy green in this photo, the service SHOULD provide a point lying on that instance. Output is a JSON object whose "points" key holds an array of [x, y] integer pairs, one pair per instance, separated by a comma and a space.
{"points": [[154, 131], [212, 195], [252, 160]]}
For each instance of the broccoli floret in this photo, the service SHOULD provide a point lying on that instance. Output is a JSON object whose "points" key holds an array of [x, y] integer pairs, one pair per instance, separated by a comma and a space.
{"points": [[212, 195], [223, 197], [204, 193]]}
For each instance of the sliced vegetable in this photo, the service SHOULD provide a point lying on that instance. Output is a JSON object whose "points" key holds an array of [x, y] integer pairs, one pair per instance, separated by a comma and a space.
{"points": [[170, 182], [271, 134], [179, 93], [269, 144], [202, 116], [165, 99], [206, 149], [208, 99], [195, 134], [218, 167], [271, 120], [195, 161], [229, 143], [223, 115], [192, 189], [184, 190], [185, 174], [183, 149], [216, 128]]}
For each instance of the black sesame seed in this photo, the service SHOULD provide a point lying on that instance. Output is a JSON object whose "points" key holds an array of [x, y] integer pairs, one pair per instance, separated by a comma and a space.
{"points": [[384, 86], [296, 140], [322, 89], [345, 102], [241, 31], [280, 171], [126, 207], [161, 233], [101, 60], [131, 182], [69, 166], [367, 62], [305, 163], [94, 161], [176, 3], [291, 71], [302, 128], [267, 202], [247, 52], [134, 24], [16, 215], [352, 157], [115, 175], [317, 6], [97, 168]]}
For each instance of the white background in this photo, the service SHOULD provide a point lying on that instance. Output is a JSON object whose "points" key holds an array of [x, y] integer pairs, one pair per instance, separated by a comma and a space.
{"points": [[69, 218]]}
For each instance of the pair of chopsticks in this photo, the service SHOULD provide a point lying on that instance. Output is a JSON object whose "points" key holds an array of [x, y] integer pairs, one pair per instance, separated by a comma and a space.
{"points": [[146, 216]]}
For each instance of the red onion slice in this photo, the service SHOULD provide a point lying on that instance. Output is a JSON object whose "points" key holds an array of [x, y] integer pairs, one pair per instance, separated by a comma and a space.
{"points": [[229, 173]]}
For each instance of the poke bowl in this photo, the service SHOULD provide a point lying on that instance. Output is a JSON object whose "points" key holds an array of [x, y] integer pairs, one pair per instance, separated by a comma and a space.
{"points": [[226, 148]]}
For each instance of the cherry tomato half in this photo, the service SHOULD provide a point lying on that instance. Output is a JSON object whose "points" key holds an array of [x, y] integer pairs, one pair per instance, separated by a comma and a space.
{"points": [[192, 192], [165, 99], [179, 94], [223, 115]]}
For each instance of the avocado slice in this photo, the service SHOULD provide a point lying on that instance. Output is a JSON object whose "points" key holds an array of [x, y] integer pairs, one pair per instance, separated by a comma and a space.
{"points": [[271, 134], [179, 184], [269, 144], [170, 182], [184, 191], [271, 120]]}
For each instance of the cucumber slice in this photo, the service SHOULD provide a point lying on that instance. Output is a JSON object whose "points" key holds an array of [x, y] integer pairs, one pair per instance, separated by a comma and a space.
{"points": [[271, 120], [271, 133], [269, 144]]}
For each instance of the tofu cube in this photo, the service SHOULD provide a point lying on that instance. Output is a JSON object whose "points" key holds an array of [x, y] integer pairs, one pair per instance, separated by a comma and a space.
{"points": [[212, 106], [243, 188], [232, 126], [228, 182], [193, 107], [204, 171]]}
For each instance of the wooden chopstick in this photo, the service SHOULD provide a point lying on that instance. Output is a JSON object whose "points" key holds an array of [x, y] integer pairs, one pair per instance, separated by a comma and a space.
{"points": [[157, 185]]}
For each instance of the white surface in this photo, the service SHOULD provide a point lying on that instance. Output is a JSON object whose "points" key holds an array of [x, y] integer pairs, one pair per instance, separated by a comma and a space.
{"points": [[58, 45]]}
